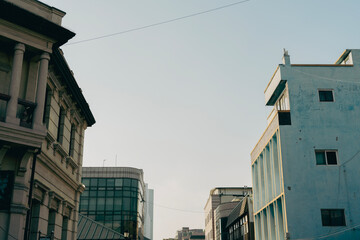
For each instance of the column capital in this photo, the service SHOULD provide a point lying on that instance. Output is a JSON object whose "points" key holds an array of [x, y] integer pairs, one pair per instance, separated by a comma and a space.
{"points": [[45, 55], [19, 46]]}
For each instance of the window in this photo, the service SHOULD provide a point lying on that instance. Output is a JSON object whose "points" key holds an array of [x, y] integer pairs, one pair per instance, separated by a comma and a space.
{"points": [[61, 125], [326, 157], [326, 95], [72, 140], [333, 217]]}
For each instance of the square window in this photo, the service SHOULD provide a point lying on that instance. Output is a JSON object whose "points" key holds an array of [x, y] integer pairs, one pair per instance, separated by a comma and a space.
{"points": [[326, 157], [333, 217], [326, 95]]}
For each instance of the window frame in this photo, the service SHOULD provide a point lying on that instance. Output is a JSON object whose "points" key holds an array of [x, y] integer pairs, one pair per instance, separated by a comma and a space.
{"points": [[325, 151], [326, 90]]}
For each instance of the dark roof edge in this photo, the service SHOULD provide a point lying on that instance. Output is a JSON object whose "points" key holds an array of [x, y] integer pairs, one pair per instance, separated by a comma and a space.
{"points": [[69, 80], [22, 17]]}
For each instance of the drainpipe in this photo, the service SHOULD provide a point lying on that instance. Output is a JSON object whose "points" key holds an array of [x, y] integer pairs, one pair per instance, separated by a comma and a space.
{"points": [[28, 215]]}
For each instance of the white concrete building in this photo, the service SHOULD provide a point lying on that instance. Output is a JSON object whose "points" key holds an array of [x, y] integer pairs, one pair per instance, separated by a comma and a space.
{"points": [[43, 117], [306, 165]]}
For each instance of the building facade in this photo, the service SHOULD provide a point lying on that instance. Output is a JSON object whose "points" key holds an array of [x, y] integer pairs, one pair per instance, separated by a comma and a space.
{"points": [[218, 196], [221, 214], [43, 117], [186, 234], [306, 164], [240, 222], [149, 213], [114, 196]]}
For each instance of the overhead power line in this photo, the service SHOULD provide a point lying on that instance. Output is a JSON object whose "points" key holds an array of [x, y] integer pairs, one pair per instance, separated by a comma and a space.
{"points": [[156, 24]]}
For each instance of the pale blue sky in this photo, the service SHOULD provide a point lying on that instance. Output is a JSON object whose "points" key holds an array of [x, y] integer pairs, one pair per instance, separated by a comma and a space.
{"points": [[184, 100]]}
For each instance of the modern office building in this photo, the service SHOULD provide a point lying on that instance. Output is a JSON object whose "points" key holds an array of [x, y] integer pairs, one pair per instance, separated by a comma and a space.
{"points": [[148, 213], [114, 196], [43, 117], [218, 196], [305, 167]]}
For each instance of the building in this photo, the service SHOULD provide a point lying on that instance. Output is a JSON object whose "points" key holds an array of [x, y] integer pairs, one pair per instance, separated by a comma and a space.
{"points": [[114, 196], [306, 165], [148, 213], [186, 234], [240, 222], [219, 196], [221, 214], [43, 117]]}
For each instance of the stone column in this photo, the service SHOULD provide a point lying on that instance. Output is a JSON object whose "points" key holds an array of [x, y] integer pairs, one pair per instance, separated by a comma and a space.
{"points": [[15, 84], [41, 91]]}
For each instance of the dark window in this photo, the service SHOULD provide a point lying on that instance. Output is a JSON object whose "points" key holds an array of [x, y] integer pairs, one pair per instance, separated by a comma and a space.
{"points": [[61, 125], [72, 140], [333, 217], [326, 157], [6, 188], [326, 96]]}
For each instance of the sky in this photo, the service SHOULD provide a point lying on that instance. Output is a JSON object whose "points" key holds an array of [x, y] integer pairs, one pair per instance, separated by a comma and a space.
{"points": [[184, 101]]}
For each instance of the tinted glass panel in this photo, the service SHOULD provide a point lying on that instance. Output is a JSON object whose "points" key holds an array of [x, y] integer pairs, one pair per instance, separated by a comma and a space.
{"points": [[102, 182], [326, 96], [331, 158], [118, 182], [127, 182], [320, 158], [333, 217]]}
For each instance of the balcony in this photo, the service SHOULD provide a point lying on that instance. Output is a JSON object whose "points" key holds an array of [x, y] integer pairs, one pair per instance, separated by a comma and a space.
{"points": [[274, 88], [21, 133]]}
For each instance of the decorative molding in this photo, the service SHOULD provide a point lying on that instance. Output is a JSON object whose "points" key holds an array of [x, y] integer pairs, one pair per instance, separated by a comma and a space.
{"points": [[18, 208], [3, 151], [54, 201], [70, 161], [49, 140], [59, 148], [24, 162]]}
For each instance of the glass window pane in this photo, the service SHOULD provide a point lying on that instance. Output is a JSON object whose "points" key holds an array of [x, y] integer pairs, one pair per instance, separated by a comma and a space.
{"points": [[320, 158], [126, 193], [110, 194], [101, 193], [102, 182], [93, 193], [127, 182], [331, 158], [126, 204], [110, 182], [92, 204], [109, 204], [134, 183], [93, 182], [100, 204], [118, 182], [326, 96], [117, 204]]}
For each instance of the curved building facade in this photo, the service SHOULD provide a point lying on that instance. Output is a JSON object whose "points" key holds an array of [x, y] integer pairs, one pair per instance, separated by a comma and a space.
{"points": [[114, 196]]}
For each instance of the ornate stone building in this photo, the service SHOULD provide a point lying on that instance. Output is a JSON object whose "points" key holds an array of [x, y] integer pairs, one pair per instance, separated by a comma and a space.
{"points": [[43, 116]]}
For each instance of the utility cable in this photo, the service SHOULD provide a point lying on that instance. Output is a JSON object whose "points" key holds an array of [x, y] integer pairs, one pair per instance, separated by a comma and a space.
{"points": [[157, 24]]}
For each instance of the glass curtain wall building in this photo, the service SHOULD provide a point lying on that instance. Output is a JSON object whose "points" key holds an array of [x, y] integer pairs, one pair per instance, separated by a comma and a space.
{"points": [[114, 196]]}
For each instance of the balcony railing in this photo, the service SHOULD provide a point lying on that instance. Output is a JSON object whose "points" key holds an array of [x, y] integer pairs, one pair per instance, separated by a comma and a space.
{"points": [[4, 98], [25, 112]]}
